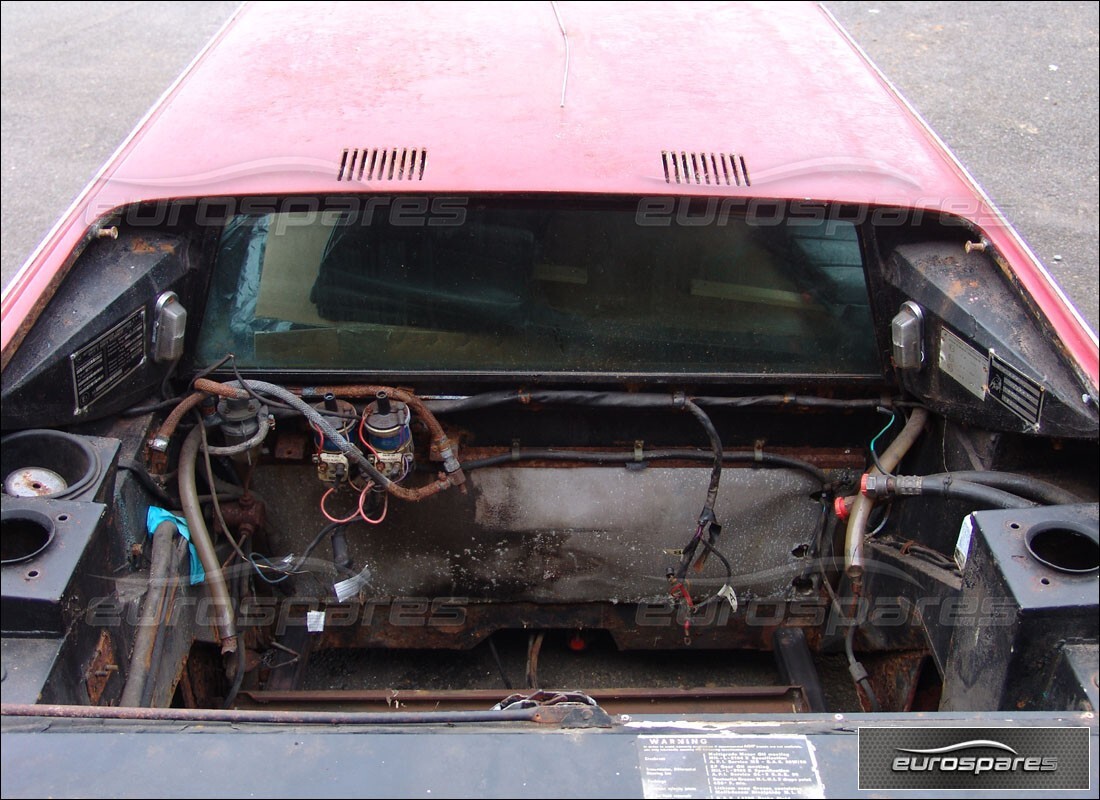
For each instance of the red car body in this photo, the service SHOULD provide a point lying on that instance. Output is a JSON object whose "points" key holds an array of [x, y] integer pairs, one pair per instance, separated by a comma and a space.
{"points": [[272, 103]]}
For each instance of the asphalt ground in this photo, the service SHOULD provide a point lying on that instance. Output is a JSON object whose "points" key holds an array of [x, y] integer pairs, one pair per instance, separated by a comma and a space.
{"points": [[1011, 87]]}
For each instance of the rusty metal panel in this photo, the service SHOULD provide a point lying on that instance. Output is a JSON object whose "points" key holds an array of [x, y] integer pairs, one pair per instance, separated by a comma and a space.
{"points": [[103, 666], [706, 700], [569, 535]]}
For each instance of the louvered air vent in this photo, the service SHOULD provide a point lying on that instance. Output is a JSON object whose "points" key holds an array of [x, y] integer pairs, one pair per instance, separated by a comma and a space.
{"points": [[382, 164], [718, 169]]}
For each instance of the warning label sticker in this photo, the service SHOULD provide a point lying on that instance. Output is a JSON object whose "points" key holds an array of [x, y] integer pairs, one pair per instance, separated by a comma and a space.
{"points": [[728, 766]]}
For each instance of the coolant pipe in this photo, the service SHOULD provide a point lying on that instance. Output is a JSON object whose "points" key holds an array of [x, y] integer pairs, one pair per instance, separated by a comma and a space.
{"points": [[946, 485], [1022, 485], [203, 387], [861, 509], [200, 537], [152, 608]]}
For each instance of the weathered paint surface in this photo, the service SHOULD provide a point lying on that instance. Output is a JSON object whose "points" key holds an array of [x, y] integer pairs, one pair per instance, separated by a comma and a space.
{"points": [[271, 106]]}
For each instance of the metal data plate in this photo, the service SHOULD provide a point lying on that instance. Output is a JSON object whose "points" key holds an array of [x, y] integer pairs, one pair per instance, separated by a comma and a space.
{"points": [[1015, 391], [103, 363], [967, 365]]}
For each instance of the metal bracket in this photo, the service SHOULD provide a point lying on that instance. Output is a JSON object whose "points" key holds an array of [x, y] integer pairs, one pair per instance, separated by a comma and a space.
{"points": [[564, 709]]}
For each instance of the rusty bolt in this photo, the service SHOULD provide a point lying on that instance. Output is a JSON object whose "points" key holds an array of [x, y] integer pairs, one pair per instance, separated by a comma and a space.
{"points": [[107, 233], [974, 247]]}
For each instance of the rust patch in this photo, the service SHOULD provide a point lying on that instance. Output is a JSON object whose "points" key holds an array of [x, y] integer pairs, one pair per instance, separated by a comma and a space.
{"points": [[290, 446], [139, 245], [247, 511], [956, 289], [454, 624], [895, 677], [104, 665]]}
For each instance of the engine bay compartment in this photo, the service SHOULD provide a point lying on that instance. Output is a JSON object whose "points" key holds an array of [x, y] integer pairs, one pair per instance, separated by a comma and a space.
{"points": [[350, 544], [891, 506]]}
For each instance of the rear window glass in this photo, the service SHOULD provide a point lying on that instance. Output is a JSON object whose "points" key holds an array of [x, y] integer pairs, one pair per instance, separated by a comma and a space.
{"points": [[532, 285]]}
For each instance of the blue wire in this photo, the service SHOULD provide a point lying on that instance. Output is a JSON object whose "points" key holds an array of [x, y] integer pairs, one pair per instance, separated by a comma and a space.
{"points": [[253, 557]]}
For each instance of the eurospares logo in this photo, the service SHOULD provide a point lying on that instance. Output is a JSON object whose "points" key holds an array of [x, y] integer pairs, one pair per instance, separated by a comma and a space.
{"points": [[974, 758], [953, 758]]}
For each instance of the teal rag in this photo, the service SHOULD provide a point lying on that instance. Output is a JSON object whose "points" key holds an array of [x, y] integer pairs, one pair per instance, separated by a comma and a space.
{"points": [[159, 515]]}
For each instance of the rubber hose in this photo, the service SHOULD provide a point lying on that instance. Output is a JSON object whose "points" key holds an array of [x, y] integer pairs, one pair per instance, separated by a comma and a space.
{"points": [[951, 488], [1021, 485], [200, 537], [861, 509], [152, 608]]}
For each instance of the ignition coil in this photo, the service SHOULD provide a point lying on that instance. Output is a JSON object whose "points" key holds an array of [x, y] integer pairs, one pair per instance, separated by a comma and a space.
{"points": [[332, 464], [385, 431]]}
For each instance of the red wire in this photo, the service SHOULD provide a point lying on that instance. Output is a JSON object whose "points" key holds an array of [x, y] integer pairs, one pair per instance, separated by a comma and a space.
{"points": [[680, 589], [385, 506], [328, 516], [360, 512], [362, 437]]}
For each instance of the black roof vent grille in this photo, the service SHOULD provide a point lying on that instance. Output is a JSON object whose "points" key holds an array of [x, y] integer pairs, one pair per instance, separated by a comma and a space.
{"points": [[382, 164], [716, 169]]}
